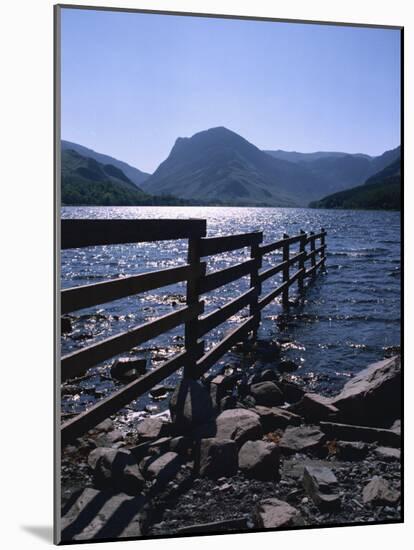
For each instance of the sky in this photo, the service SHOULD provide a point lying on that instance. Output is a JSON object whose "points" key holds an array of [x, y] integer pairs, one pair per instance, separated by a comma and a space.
{"points": [[133, 83]]}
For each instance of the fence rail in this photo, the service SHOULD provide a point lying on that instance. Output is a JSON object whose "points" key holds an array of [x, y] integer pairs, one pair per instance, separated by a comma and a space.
{"points": [[194, 359]]}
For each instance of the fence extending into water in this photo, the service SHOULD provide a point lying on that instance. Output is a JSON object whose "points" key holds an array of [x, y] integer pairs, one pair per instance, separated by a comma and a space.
{"points": [[194, 359]]}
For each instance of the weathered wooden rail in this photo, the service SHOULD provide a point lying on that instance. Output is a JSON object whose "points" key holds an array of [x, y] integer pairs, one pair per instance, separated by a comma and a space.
{"points": [[194, 359]]}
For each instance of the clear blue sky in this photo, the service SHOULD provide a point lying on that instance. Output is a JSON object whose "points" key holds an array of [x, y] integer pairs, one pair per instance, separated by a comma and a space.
{"points": [[132, 83]]}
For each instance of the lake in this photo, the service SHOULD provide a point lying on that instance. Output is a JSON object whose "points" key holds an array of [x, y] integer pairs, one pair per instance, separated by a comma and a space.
{"points": [[348, 318]]}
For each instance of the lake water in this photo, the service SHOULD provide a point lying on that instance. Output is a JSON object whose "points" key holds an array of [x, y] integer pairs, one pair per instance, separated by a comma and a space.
{"points": [[348, 318]]}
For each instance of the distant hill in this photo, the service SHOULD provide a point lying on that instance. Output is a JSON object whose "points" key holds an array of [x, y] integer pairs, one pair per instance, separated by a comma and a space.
{"points": [[338, 171], [219, 165], [85, 181], [382, 191], [133, 174]]}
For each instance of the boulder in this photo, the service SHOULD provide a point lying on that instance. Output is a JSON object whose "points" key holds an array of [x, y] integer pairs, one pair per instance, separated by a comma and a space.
{"points": [[374, 394], [321, 485], [266, 393], [181, 445], [350, 432], [115, 468], [301, 438], [152, 428], [190, 405], [164, 468], [126, 369], [379, 492], [99, 515], [268, 375], [273, 513], [259, 460], [387, 454], [314, 407], [275, 418], [292, 392], [351, 450], [217, 458], [241, 425]]}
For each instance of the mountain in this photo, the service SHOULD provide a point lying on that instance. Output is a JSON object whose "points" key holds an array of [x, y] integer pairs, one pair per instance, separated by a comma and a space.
{"points": [[133, 174], [218, 165], [87, 181], [382, 191], [338, 171]]}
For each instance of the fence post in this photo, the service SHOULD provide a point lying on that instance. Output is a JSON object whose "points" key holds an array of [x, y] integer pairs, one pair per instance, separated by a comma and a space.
{"points": [[323, 251], [193, 297], [312, 249], [255, 254], [302, 244], [285, 293]]}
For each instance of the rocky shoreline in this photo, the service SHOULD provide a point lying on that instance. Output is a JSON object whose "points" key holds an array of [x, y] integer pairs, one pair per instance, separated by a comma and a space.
{"points": [[236, 454]]}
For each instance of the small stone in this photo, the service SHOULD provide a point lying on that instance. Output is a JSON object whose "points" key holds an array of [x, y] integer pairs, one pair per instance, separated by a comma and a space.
{"points": [[152, 428], [273, 513], [216, 458], [241, 425], [164, 468], [379, 492], [126, 369], [387, 454], [115, 468], [259, 460], [275, 418], [267, 393], [314, 407], [321, 485], [292, 393], [351, 450], [301, 438]]}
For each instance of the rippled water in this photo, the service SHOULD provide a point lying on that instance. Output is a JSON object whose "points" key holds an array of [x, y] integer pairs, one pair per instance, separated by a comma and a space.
{"points": [[347, 319]]}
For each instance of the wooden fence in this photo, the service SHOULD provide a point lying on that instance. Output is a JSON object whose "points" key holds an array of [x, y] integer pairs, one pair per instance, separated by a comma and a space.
{"points": [[194, 359]]}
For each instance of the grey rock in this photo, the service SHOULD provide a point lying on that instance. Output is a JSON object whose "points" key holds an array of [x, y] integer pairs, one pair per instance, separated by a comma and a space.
{"points": [[100, 515], [152, 428], [259, 460], [181, 445], [351, 450], [115, 468], [190, 405], [126, 369], [301, 438], [266, 393], [275, 418], [228, 402], [364, 395], [292, 392], [387, 454], [165, 468], [268, 375], [379, 492], [273, 513], [368, 434], [217, 458], [321, 485], [241, 425], [314, 407]]}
